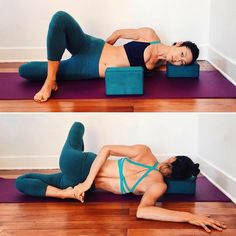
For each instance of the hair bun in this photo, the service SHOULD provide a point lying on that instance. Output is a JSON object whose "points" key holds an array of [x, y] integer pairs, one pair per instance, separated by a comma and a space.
{"points": [[195, 169]]}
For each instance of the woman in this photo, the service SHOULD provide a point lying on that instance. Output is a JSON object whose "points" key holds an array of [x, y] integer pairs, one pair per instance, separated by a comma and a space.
{"points": [[91, 56], [139, 173]]}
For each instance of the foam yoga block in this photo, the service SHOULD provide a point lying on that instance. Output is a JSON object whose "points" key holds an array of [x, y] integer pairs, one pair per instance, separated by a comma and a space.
{"points": [[188, 71], [124, 80], [187, 186]]}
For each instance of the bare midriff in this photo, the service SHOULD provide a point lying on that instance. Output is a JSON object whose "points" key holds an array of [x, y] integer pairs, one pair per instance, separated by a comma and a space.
{"points": [[112, 56]]}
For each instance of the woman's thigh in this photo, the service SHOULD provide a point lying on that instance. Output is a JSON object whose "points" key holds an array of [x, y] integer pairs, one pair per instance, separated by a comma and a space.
{"points": [[75, 166]]}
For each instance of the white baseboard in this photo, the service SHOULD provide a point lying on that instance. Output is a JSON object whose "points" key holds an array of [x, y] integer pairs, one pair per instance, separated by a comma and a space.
{"points": [[23, 54], [28, 162], [222, 63], [223, 181], [26, 54]]}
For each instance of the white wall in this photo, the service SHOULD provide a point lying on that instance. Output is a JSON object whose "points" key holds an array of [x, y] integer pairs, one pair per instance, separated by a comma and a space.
{"points": [[217, 150], [35, 140], [24, 23], [222, 37]]}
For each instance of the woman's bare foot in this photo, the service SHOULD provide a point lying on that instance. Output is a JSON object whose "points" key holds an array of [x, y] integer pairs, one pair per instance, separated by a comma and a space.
{"points": [[45, 92], [68, 193]]}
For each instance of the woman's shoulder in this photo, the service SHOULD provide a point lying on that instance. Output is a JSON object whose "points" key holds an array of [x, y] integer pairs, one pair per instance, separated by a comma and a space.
{"points": [[142, 147]]}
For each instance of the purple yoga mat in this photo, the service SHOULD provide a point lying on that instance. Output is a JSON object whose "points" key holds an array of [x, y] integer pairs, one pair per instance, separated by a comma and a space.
{"points": [[211, 84], [206, 192]]}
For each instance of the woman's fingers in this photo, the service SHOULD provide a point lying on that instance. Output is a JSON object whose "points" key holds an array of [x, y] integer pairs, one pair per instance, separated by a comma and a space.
{"points": [[205, 227], [80, 196], [205, 222], [214, 224], [217, 225]]}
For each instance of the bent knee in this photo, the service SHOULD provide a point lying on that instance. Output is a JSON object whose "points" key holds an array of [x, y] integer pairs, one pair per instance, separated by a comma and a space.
{"points": [[23, 71], [77, 125], [60, 16], [20, 183], [33, 71]]}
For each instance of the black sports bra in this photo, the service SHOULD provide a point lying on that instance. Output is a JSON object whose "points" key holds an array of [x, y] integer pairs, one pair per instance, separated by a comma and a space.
{"points": [[135, 50]]}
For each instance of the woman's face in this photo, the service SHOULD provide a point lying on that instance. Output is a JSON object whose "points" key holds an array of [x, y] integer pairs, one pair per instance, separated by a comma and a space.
{"points": [[166, 167], [179, 55]]}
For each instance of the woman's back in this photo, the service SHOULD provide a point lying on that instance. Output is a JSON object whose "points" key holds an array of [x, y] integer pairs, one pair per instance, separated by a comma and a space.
{"points": [[109, 175]]}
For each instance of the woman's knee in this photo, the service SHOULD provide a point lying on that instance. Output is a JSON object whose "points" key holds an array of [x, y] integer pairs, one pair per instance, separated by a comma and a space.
{"points": [[76, 136], [33, 70], [26, 70], [60, 17], [20, 183], [78, 127]]}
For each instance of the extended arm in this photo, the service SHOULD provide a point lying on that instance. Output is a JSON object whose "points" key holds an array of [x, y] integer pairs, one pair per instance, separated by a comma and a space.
{"points": [[148, 210], [141, 34]]}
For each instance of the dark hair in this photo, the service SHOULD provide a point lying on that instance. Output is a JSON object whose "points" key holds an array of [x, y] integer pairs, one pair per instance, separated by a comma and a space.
{"points": [[183, 168], [193, 48]]}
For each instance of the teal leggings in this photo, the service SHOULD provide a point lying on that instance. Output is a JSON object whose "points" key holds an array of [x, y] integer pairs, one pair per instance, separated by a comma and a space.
{"points": [[65, 33], [74, 164]]}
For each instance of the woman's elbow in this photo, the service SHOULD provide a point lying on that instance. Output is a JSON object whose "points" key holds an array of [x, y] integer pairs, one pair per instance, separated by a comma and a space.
{"points": [[139, 213], [106, 149]]}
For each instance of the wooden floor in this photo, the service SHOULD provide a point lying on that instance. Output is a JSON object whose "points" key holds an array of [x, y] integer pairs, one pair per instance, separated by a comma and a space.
{"points": [[103, 218], [114, 105]]}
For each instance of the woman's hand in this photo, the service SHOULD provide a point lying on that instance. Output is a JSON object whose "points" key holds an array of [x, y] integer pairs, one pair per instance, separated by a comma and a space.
{"points": [[79, 191], [205, 222]]}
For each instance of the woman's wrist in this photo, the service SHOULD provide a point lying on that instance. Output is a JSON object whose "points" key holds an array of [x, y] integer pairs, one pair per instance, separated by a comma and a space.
{"points": [[88, 183], [188, 217], [117, 34]]}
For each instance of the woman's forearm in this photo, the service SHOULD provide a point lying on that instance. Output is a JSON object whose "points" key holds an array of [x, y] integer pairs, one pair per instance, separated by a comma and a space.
{"points": [[127, 34], [97, 164], [157, 213], [114, 150]]}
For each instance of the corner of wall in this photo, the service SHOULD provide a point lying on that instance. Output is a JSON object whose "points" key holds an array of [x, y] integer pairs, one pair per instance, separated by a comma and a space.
{"points": [[218, 177], [222, 63]]}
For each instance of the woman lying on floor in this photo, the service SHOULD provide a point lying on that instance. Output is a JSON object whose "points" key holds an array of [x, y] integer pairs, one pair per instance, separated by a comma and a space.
{"points": [[139, 172], [91, 56]]}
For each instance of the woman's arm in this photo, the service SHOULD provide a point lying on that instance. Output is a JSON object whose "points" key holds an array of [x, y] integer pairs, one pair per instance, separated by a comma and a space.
{"points": [[131, 152], [148, 210], [141, 34]]}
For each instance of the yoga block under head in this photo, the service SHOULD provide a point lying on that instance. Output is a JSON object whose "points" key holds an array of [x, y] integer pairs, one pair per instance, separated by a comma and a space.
{"points": [[187, 186], [188, 71], [124, 80]]}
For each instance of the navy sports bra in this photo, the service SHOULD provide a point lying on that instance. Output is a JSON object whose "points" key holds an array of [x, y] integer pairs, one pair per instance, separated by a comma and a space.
{"points": [[135, 50]]}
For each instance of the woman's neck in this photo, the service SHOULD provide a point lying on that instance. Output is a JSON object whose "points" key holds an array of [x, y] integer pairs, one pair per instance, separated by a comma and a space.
{"points": [[160, 51]]}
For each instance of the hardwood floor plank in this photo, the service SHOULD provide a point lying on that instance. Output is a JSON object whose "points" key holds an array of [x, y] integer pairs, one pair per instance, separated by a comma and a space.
{"points": [[182, 232], [70, 232], [120, 105]]}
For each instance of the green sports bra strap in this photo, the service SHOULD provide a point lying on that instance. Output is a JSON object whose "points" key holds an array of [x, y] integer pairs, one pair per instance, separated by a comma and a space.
{"points": [[156, 42], [140, 179], [121, 163], [123, 183], [136, 163]]}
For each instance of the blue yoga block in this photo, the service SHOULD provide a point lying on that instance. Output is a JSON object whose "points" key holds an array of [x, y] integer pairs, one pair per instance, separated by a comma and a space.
{"points": [[124, 80], [188, 71], [187, 186]]}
